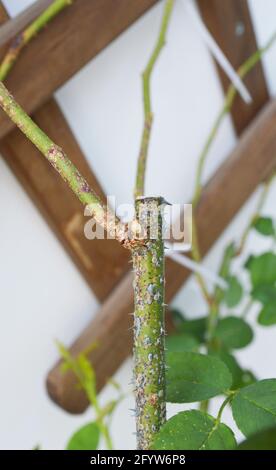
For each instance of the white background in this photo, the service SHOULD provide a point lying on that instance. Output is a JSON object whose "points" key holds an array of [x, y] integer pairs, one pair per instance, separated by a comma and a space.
{"points": [[43, 296]]}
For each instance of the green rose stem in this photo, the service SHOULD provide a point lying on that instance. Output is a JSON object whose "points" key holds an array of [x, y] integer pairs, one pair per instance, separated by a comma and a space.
{"points": [[85, 375], [261, 202], [212, 300], [148, 263], [149, 355], [148, 255], [230, 252], [243, 70], [228, 399], [28, 34], [59, 160], [148, 115]]}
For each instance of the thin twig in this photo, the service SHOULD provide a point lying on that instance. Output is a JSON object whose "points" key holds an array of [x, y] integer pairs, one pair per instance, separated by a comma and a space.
{"points": [[263, 197], [227, 400], [249, 304], [85, 375], [197, 258], [28, 34], [245, 68], [213, 315], [148, 116]]}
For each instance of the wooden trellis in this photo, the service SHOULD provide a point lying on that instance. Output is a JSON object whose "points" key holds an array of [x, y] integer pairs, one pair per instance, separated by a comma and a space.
{"points": [[57, 53]]}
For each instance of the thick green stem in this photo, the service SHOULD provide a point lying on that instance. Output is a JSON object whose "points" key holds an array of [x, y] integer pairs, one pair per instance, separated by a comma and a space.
{"points": [[149, 355], [148, 263], [29, 33], [148, 116]]}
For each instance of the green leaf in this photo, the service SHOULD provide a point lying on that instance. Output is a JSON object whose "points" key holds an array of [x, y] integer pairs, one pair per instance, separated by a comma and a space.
{"points": [[262, 269], [265, 226], [249, 261], [177, 317], [194, 430], [267, 315], [182, 342], [196, 327], [265, 293], [86, 438], [233, 295], [254, 407], [233, 333], [194, 377], [241, 377], [265, 440]]}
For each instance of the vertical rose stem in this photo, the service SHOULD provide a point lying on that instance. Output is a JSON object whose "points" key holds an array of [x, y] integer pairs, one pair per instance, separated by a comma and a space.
{"points": [[149, 356]]}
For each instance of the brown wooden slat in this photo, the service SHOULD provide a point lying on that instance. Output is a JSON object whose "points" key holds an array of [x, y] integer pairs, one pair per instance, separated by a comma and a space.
{"points": [[230, 23], [253, 160], [15, 25], [72, 39], [102, 262]]}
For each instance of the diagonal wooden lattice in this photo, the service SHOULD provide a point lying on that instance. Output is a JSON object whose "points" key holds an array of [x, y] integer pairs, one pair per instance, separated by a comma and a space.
{"points": [[82, 31]]}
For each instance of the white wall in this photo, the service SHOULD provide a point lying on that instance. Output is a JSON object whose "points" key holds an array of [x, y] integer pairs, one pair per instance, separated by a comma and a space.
{"points": [[43, 296]]}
